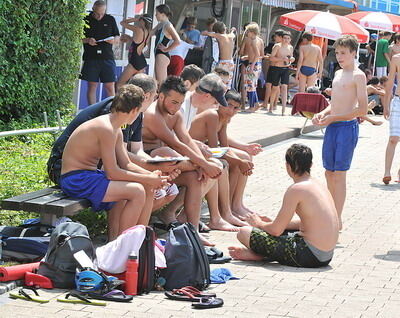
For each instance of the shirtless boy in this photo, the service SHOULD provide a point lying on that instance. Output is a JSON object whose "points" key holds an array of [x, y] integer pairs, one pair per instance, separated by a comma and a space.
{"points": [[163, 125], [315, 232], [282, 56], [393, 114], [252, 51], [349, 101], [394, 48], [121, 181], [210, 127], [226, 45], [310, 64]]}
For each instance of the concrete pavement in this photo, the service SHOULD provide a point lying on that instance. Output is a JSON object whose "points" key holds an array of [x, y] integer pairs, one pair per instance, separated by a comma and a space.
{"points": [[362, 280]]}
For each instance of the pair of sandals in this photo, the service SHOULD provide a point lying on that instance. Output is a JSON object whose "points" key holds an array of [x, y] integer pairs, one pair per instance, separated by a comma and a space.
{"points": [[199, 299], [216, 256]]}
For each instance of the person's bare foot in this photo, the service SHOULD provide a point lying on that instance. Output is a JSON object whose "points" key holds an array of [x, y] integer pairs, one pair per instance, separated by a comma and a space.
{"points": [[167, 217], [244, 254], [205, 241], [222, 225], [234, 220]]}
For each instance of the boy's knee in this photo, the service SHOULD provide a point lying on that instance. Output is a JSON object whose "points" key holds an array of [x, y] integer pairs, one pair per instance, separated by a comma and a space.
{"points": [[137, 191], [244, 235], [393, 140]]}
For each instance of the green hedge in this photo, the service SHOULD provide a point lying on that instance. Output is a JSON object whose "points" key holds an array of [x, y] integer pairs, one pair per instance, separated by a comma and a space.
{"points": [[40, 43]]}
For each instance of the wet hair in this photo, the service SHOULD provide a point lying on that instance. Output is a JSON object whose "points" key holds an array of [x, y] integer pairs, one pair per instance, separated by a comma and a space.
{"points": [[220, 71], [219, 27], [145, 82], [307, 35], [173, 83], [211, 21], [313, 90], [299, 158], [192, 73], [383, 80], [99, 3], [396, 38], [279, 32], [374, 81], [127, 98], [348, 41], [191, 20], [253, 27], [233, 95], [165, 9], [148, 21]]}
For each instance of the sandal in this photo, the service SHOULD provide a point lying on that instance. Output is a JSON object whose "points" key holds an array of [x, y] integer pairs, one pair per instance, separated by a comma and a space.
{"points": [[387, 179], [79, 299], [25, 296], [114, 295], [195, 292], [203, 228], [206, 303]]}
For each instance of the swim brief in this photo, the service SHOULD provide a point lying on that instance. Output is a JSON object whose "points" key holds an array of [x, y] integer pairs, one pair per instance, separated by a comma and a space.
{"points": [[287, 249], [307, 70], [87, 184], [340, 140]]}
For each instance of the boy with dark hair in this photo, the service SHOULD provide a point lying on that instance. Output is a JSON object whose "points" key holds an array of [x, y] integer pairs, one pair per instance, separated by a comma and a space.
{"points": [[349, 101], [382, 54], [312, 237], [191, 75], [310, 63], [121, 181], [282, 56]]}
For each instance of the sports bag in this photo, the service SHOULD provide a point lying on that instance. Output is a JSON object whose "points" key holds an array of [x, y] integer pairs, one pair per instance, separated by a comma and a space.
{"points": [[187, 262], [59, 264], [25, 249]]}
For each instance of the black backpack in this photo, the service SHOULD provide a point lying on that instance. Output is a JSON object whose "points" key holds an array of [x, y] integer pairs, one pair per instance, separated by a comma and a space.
{"points": [[146, 269], [187, 262], [59, 264]]}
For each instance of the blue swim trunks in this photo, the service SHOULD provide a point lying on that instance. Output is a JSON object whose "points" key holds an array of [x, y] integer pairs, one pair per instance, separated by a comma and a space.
{"points": [[87, 184], [340, 140]]}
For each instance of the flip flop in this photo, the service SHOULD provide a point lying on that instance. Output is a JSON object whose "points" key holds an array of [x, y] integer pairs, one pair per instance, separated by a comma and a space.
{"points": [[206, 303], [114, 295], [203, 228], [30, 297], [216, 256], [195, 292], [79, 299], [387, 179], [180, 294]]}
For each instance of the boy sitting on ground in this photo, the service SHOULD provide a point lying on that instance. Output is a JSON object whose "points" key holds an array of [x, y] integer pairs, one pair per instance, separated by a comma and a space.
{"points": [[317, 228], [121, 181]]}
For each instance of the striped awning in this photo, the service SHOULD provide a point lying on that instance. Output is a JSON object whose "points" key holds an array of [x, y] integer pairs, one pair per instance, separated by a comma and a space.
{"points": [[287, 4]]}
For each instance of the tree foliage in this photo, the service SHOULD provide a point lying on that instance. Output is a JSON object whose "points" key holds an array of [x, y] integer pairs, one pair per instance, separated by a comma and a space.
{"points": [[40, 43]]}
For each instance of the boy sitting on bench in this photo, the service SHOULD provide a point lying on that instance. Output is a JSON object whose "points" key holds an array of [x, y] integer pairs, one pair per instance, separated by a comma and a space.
{"points": [[312, 238], [123, 182]]}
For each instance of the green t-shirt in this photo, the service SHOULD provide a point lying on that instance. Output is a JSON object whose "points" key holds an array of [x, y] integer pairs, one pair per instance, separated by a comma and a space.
{"points": [[383, 47]]}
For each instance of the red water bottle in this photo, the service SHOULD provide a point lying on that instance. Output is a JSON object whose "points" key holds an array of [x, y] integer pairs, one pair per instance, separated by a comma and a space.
{"points": [[131, 276]]}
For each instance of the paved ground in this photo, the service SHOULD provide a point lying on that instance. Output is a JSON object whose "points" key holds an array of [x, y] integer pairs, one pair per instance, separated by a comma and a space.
{"points": [[362, 280]]}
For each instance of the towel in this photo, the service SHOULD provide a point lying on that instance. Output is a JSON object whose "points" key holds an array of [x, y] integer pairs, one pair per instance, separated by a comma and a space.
{"points": [[221, 276]]}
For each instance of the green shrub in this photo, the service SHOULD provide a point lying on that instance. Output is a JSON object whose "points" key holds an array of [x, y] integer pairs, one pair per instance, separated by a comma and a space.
{"points": [[40, 43]]}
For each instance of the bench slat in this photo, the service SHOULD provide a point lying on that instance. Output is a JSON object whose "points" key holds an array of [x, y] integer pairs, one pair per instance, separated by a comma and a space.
{"points": [[38, 204], [15, 203], [66, 206]]}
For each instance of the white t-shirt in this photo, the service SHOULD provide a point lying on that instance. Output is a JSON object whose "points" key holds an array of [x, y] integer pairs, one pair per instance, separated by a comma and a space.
{"points": [[182, 49], [188, 110]]}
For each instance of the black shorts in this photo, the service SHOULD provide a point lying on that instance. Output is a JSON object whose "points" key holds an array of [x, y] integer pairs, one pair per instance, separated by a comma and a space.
{"points": [[288, 249], [279, 75], [98, 70]]}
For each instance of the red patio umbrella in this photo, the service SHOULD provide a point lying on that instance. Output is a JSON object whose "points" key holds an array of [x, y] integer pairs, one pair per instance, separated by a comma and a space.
{"points": [[376, 20], [323, 24]]}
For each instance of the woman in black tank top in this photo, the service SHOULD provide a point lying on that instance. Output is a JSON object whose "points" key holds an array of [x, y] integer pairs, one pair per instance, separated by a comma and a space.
{"points": [[136, 59], [166, 39]]}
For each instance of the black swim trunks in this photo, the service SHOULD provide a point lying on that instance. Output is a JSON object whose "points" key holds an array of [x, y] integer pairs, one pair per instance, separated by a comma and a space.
{"points": [[279, 75], [288, 249]]}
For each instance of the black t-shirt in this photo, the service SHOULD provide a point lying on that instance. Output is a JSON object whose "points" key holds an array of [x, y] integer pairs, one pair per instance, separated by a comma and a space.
{"points": [[99, 29], [132, 133]]}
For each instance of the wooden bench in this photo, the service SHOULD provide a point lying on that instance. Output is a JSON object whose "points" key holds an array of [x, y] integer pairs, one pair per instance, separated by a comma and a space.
{"points": [[51, 203]]}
